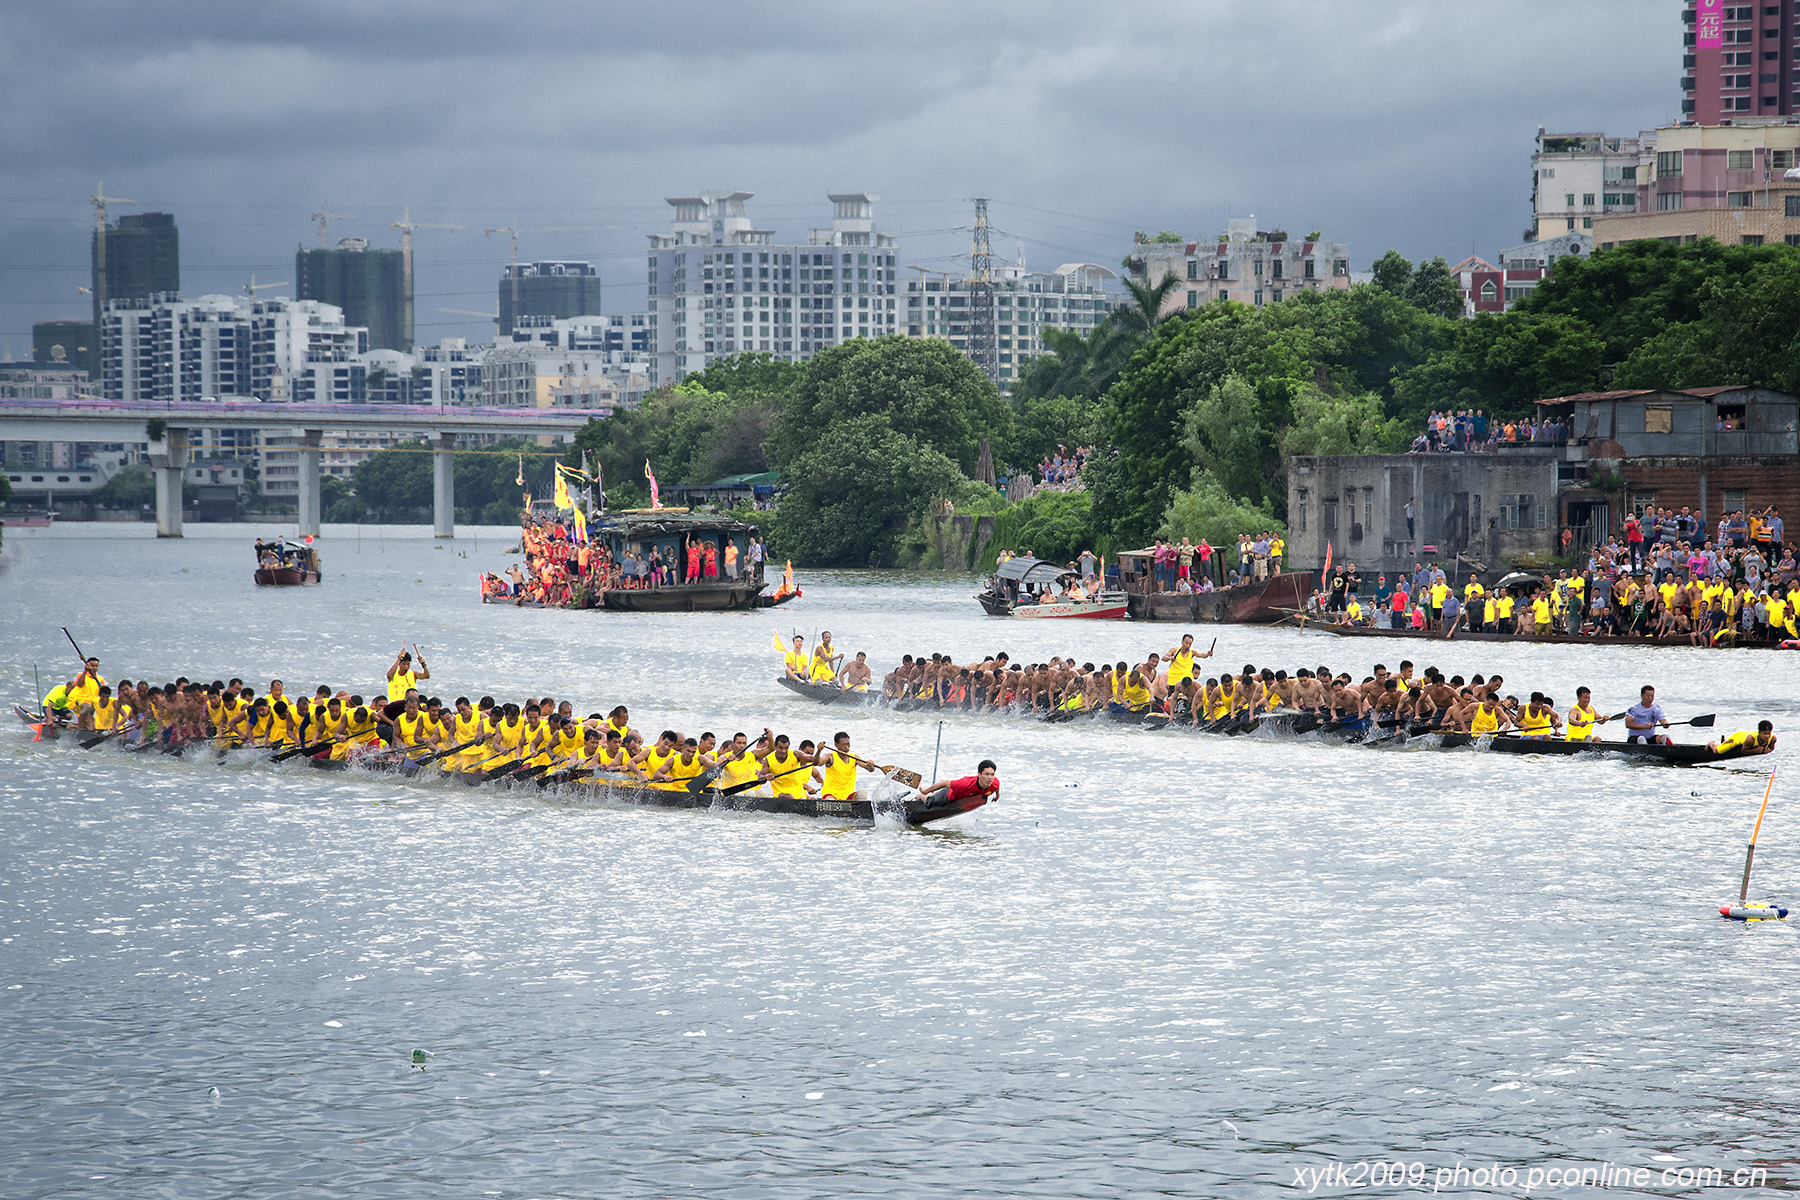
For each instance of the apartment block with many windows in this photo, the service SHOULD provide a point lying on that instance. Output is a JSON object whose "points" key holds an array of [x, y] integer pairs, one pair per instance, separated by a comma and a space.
{"points": [[1245, 264], [1577, 177], [1738, 60], [719, 286]]}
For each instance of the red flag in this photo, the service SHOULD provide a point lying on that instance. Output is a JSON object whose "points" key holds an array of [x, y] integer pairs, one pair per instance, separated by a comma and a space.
{"points": [[655, 494], [1326, 571]]}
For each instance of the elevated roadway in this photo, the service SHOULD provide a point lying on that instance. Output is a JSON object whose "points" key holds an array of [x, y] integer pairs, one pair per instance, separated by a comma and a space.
{"points": [[120, 421]]}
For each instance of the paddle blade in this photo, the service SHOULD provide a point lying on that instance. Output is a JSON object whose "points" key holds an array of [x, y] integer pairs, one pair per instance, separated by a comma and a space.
{"points": [[1705, 722]]}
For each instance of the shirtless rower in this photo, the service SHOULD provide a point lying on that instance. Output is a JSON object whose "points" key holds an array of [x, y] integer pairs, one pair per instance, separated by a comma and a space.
{"points": [[856, 675]]}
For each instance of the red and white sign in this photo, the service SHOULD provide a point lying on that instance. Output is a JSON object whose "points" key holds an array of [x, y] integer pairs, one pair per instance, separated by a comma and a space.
{"points": [[1709, 24]]}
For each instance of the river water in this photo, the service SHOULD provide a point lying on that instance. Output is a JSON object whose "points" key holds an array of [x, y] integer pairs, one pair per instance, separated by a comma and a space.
{"points": [[1161, 964]]}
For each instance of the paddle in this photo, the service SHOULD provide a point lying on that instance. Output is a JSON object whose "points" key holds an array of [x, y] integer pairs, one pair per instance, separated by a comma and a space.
{"points": [[429, 758], [744, 787], [1705, 722], [314, 748], [90, 743], [1744, 890]]}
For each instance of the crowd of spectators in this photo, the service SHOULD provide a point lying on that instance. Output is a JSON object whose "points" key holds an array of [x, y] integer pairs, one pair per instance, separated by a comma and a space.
{"points": [[1061, 471], [1661, 579], [562, 572], [1470, 429]]}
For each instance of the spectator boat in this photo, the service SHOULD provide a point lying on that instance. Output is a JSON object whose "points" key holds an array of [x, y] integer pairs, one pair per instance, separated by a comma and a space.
{"points": [[1010, 593], [281, 565]]}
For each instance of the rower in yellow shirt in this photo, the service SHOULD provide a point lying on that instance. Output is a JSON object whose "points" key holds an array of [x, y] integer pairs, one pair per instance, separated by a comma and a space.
{"points": [[1762, 741], [785, 769], [798, 664], [1583, 717]]}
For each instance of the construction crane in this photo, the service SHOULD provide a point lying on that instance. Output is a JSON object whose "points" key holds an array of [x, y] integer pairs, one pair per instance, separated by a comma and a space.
{"points": [[324, 215], [100, 200], [406, 225], [513, 231], [253, 287], [469, 312]]}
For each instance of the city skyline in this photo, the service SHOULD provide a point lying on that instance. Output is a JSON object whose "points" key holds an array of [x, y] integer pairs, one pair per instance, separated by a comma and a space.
{"points": [[1082, 127]]}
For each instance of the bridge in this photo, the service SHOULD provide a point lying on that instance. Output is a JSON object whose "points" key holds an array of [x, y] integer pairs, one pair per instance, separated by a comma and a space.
{"points": [[129, 421]]}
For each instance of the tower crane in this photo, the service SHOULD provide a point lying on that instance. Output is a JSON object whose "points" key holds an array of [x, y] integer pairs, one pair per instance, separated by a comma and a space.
{"points": [[253, 287], [406, 225], [513, 231], [100, 200], [324, 215], [469, 312]]}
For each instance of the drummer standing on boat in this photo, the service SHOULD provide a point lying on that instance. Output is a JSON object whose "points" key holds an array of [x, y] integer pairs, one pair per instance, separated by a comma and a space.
{"points": [[401, 678]]}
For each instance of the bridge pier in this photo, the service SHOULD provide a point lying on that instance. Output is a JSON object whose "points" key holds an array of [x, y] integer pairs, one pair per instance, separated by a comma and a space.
{"points": [[307, 519], [170, 467], [443, 487]]}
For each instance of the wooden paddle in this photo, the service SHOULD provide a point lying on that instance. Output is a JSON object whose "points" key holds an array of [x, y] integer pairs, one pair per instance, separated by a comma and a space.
{"points": [[744, 787], [90, 743], [312, 749], [1705, 722]]}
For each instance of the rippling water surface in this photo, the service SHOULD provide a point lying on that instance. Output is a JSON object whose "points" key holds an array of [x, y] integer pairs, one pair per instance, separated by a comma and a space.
{"points": [[1162, 963]]}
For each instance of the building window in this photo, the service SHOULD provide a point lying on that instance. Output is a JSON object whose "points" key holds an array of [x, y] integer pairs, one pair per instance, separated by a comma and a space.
{"points": [[1587, 199], [1488, 291], [1668, 164], [1737, 199], [1568, 199], [1752, 239], [1735, 500], [1587, 222], [1740, 160], [1790, 206], [1781, 160], [1309, 269], [1668, 202], [1659, 418], [1330, 522], [1193, 298]]}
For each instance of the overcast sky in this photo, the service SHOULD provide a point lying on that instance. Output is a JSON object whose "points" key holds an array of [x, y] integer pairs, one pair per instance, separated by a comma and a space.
{"points": [[1384, 124]]}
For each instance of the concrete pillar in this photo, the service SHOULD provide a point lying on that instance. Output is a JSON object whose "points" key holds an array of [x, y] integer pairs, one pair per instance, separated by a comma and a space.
{"points": [[170, 466], [307, 519], [443, 487]]}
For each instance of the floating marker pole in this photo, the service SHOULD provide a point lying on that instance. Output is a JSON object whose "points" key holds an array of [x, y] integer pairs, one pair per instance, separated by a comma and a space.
{"points": [[937, 752], [1749, 855]]}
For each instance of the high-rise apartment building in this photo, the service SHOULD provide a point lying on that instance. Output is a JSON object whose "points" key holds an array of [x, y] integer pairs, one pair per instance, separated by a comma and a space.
{"points": [[1576, 177], [139, 257], [547, 289], [719, 286], [1026, 303], [165, 348], [370, 287], [1245, 264], [1738, 60]]}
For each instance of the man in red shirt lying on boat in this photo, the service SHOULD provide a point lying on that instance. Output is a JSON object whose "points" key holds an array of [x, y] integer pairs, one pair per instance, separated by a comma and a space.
{"points": [[985, 783]]}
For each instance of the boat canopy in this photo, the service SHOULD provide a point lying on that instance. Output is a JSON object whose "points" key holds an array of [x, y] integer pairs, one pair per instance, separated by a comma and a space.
{"points": [[1030, 570]]}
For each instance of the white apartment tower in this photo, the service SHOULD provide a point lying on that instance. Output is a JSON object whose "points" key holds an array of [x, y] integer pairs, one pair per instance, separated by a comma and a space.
{"points": [[719, 286]]}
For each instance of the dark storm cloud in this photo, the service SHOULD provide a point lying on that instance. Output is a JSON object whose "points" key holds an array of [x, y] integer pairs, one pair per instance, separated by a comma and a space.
{"points": [[1393, 124]]}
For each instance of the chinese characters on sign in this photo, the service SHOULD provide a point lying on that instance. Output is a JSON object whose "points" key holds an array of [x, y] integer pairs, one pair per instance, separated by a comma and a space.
{"points": [[1709, 33]]}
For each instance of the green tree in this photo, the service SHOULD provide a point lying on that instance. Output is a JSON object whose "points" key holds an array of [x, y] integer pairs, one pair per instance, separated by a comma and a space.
{"points": [[1207, 510], [1432, 289], [855, 486], [1223, 432], [1393, 273], [923, 389], [395, 481], [6, 490], [1145, 312], [1349, 423], [132, 487], [1747, 331]]}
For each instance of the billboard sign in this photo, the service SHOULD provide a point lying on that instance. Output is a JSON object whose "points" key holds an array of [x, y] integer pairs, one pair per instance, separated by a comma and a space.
{"points": [[1709, 24]]}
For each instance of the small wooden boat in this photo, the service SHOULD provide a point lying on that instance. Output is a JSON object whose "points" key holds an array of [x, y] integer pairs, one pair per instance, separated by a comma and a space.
{"points": [[282, 565], [1009, 594]]}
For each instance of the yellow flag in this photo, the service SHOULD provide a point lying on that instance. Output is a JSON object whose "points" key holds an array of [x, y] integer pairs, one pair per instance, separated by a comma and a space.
{"points": [[779, 648], [580, 525], [562, 493]]}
